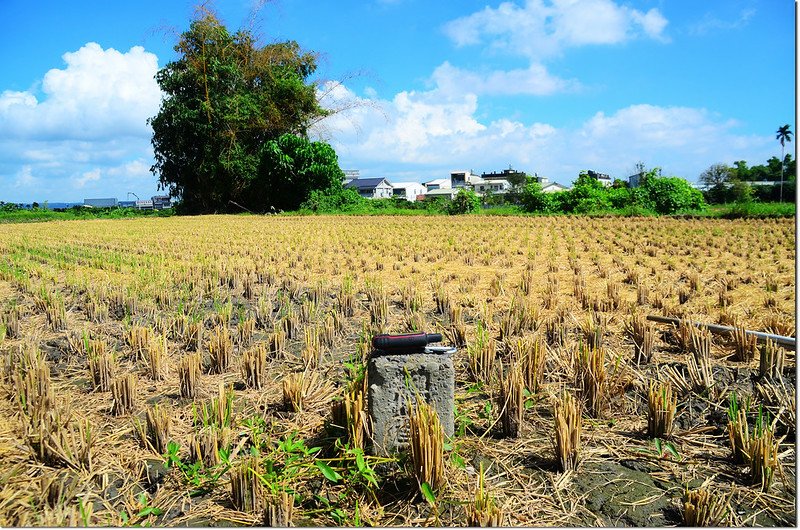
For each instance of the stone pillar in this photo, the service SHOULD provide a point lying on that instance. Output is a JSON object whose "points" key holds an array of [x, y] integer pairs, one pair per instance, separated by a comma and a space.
{"points": [[394, 382]]}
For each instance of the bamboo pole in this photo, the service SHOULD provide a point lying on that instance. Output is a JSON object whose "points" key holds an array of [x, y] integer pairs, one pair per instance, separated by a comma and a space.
{"points": [[787, 342]]}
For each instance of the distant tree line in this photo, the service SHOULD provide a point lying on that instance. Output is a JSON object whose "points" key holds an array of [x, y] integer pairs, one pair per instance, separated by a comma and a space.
{"points": [[655, 194], [725, 184]]}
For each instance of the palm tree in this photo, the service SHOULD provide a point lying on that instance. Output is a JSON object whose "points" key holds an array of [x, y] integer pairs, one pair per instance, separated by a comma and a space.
{"points": [[783, 135]]}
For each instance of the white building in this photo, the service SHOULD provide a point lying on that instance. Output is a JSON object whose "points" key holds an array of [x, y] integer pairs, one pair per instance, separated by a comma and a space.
{"points": [[408, 190], [438, 184], [464, 179], [372, 188], [496, 186], [553, 187], [602, 178]]}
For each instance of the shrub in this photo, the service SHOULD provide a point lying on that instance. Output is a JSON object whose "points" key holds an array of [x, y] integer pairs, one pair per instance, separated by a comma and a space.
{"points": [[587, 195], [533, 199], [334, 200], [667, 195], [465, 202], [620, 198]]}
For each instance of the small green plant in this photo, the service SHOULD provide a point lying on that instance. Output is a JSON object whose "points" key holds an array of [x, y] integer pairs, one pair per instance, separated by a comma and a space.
{"points": [[462, 421], [483, 512], [217, 412], [201, 479], [738, 431], [147, 510], [665, 450]]}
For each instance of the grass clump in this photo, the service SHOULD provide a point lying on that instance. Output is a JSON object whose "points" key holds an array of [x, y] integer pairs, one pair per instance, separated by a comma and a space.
{"points": [[426, 439], [701, 508], [661, 406], [567, 437], [483, 511]]}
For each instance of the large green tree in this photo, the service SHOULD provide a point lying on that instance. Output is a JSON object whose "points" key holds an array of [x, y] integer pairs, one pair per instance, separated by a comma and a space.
{"points": [[229, 108]]}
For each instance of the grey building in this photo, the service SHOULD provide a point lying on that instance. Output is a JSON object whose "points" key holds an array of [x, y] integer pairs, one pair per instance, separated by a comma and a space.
{"points": [[161, 202], [100, 203], [510, 174]]}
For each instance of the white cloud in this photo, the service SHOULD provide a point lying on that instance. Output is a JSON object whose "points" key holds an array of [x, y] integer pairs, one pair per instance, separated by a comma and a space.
{"points": [[421, 135], [84, 132], [99, 93], [534, 80], [88, 176], [710, 23], [542, 29], [25, 179]]}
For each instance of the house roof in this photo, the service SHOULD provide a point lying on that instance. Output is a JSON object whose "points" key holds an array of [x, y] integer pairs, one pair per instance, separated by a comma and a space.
{"points": [[406, 185], [442, 191], [554, 186], [437, 181], [366, 184], [494, 182]]}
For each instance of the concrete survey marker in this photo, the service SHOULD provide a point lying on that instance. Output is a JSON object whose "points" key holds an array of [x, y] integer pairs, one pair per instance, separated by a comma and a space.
{"points": [[395, 382]]}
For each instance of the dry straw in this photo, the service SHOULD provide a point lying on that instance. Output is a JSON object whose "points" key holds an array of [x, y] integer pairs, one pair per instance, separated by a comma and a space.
{"points": [[245, 329], [156, 357], [703, 508], [592, 379], [770, 362], [312, 348], [481, 354], [193, 337], [304, 390], [744, 345], [594, 330], [276, 343], [218, 412], [531, 351], [567, 438], [139, 338], [123, 390], [738, 430], [189, 375], [510, 400], [220, 350], [100, 366], [426, 439], [159, 422], [246, 489], [643, 336], [763, 452], [279, 510], [457, 332], [350, 414], [204, 446], [661, 406], [253, 367]]}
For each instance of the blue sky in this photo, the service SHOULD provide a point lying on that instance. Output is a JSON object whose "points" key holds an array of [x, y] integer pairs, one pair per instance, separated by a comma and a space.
{"points": [[547, 86]]}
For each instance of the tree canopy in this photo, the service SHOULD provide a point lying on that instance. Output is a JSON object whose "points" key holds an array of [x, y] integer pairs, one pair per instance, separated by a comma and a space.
{"points": [[232, 127], [655, 194]]}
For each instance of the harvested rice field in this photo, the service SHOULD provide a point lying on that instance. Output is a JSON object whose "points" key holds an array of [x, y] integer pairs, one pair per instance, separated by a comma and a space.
{"points": [[209, 371]]}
